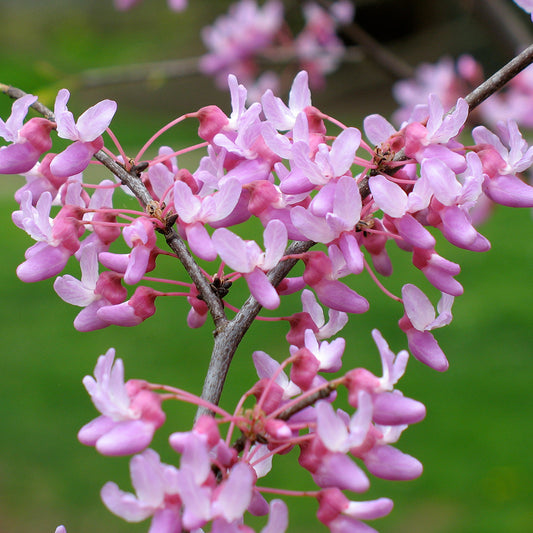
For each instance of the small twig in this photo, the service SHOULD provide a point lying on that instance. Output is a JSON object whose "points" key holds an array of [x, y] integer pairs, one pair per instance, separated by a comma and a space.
{"points": [[137, 73], [392, 64], [509, 30]]}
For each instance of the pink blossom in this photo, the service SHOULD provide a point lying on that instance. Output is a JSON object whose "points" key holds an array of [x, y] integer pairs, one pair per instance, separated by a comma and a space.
{"points": [[321, 276], [86, 134], [439, 128], [92, 292], [28, 141], [337, 319], [247, 258], [156, 487], [195, 211], [277, 113], [343, 516], [419, 319], [131, 412], [502, 161], [57, 239], [132, 312]]}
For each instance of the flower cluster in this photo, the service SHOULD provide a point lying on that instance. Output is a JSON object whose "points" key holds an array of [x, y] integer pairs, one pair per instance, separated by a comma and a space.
{"points": [[248, 33], [451, 80], [307, 178], [217, 482], [276, 163]]}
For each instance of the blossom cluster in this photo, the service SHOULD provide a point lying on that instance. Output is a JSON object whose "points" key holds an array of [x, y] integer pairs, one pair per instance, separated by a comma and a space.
{"points": [[239, 41], [306, 177], [450, 80], [217, 480]]}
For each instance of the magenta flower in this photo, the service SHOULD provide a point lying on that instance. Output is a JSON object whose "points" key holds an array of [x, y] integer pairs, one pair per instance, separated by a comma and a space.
{"points": [[501, 163], [337, 432], [332, 215], [277, 113], [92, 292], [28, 141], [247, 258], [156, 487], [131, 412], [419, 319], [140, 237], [56, 239], [337, 319], [86, 134], [439, 130], [132, 312], [235, 38], [195, 211], [321, 275], [329, 162], [343, 516]]}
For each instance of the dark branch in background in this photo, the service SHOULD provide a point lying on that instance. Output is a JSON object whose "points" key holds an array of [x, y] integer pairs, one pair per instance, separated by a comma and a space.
{"points": [[157, 70], [389, 62], [500, 78], [503, 23], [392, 64]]}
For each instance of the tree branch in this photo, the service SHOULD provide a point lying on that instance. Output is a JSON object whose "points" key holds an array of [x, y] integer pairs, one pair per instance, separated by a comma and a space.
{"points": [[500, 78]]}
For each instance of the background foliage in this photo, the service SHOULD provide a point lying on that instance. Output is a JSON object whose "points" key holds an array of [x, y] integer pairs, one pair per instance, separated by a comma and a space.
{"points": [[475, 441]]}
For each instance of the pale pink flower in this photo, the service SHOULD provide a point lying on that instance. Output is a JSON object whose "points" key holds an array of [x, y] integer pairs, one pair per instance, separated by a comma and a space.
{"points": [[131, 412]]}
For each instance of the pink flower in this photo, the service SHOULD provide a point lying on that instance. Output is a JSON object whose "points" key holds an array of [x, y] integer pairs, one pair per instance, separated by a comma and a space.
{"points": [[156, 487], [277, 113], [131, 412], [92, 292], [131, 313], [196, 211], [419, 319], [57, 239], [247, 258], [501, 163], [343, 516], [86, 134], [28, 141]]}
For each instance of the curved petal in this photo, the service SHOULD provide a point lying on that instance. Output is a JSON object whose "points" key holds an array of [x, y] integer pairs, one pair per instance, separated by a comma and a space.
{"points": [[261, 289], [124, 504], [46, 263], [18, 158], [389, 197], [73, 160], [200, 242], [126, 438], [231, 249], [93, 122], [275, 239], [343, 150]]}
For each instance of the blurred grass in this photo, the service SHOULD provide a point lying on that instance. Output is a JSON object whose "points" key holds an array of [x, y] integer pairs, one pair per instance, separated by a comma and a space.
{"points": [[476, 439]]}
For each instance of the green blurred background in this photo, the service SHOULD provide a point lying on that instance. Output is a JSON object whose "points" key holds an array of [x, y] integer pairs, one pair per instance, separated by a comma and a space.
{"points": [[475, 442]]}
